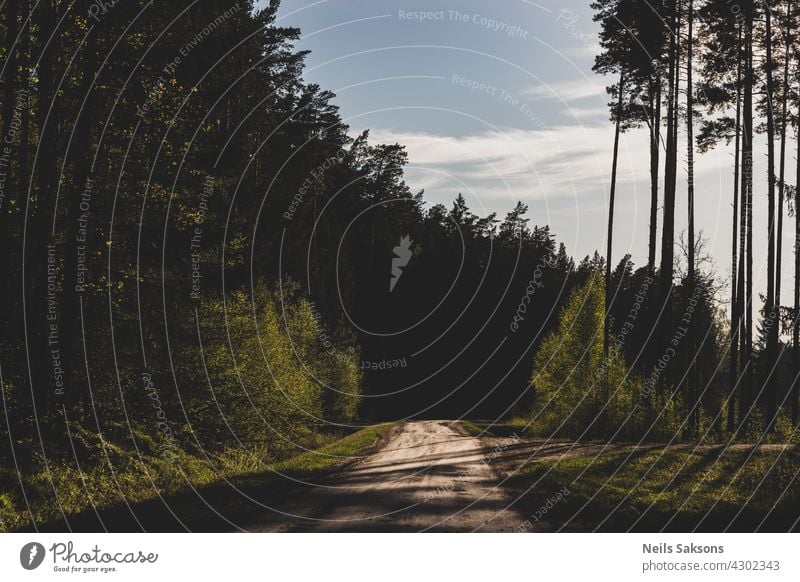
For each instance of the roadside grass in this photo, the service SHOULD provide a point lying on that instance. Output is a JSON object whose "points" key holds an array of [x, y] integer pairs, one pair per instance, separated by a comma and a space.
{"points": [[505, 428], [332, 456], [675, 489], [473, 428], [163, 492]]}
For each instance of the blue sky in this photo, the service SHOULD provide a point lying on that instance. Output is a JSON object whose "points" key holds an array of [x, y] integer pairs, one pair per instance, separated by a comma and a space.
{"points": [[498, 101]]}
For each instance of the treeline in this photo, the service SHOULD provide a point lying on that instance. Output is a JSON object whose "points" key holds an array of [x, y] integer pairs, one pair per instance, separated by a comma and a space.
{"points": [[146, 150], [198, 260], [694, 74], [167, 170], [634, 387]]}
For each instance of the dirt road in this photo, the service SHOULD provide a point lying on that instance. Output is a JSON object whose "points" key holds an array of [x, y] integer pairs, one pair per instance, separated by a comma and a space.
{"points": [[426, 476]]}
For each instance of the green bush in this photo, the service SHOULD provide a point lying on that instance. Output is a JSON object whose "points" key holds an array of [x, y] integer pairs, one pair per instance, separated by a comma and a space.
{"points": [[580, 392], [272, 373]]}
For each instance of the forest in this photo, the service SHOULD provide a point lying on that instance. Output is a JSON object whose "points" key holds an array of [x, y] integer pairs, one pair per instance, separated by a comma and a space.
{"points": [[206, 273], [696, 75]]}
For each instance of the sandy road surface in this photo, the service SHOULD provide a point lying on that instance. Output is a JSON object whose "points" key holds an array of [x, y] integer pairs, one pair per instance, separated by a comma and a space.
{"points": [[426, 476]]}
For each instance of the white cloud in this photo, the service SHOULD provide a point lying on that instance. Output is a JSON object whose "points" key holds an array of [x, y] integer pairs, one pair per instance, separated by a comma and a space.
{"points": [[583, 51], [591, 115], [568, 91], [562, 161]]}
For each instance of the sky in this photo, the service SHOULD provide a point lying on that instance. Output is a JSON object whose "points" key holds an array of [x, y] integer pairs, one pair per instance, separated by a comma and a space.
{"points": [[497, 100]]}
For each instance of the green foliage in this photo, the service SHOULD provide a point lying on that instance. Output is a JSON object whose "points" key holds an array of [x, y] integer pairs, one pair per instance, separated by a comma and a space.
{"points": [[577, 389], [274, 378], [580, 392], [267, 386], [139, 477]]}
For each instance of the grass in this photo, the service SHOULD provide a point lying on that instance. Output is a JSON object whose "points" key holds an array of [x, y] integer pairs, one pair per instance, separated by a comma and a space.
{"points": [[473, 428], [643, 489], [495, 429], [329, 457], [162, 491], [674, 488], [647, 489]]}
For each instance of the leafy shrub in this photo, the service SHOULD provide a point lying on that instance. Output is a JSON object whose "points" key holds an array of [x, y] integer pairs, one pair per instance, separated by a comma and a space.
{"points": [[270, 374], [581, 393]]}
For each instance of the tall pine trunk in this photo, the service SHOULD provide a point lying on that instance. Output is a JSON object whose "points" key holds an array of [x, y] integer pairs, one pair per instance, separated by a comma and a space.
{"points": [[736, 234], [747, 194], [655, 155], [796, 322], [692, 375], [770, 307], [670, 178], [611, 200]]}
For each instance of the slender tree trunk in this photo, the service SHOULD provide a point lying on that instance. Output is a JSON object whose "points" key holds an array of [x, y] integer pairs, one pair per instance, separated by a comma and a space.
{"points": [[747, 193], [668, 230], [611, 200], [795, 397], [670, 179], [735, 310], [770, 307], [796, 323], [782, 178], [655, 154], [692, 380]]}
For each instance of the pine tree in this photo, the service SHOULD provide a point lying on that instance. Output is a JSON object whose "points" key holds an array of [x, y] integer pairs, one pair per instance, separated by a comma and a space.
{"points": [[769, 304], [691, 268]]}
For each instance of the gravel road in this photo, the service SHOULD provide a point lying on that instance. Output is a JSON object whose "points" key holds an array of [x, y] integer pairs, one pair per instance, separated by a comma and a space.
{"points": [[425, 476]]}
